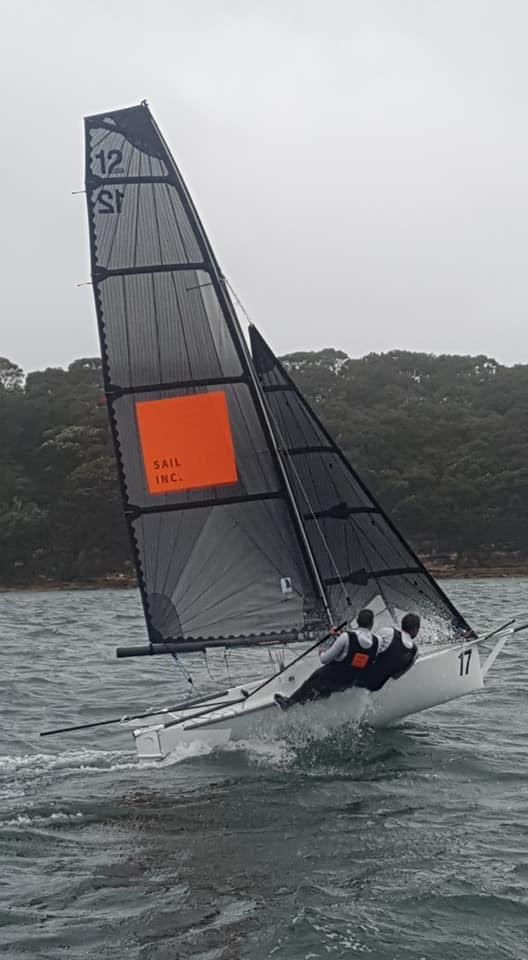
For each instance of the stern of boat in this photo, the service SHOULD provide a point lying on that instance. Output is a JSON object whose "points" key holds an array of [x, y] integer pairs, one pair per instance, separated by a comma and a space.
{"points": [[435, 678]]}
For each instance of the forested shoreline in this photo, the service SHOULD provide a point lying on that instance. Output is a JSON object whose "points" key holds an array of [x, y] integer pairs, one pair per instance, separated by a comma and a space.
{"points": [[440, 441]]}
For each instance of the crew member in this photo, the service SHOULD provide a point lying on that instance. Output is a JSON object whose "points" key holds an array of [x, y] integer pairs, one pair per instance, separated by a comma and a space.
{"points": [[345, 662], [399, 654]]}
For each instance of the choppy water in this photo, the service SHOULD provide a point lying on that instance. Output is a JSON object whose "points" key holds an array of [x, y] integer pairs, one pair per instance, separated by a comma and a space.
{"points": [[405, 843]]}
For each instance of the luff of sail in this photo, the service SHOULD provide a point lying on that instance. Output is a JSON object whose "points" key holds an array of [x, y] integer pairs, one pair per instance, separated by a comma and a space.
{"points": [[362, 558], [217, 548]]}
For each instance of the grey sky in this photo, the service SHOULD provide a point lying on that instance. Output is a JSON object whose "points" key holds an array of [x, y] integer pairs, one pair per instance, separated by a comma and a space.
{"points": [[360, 165]]}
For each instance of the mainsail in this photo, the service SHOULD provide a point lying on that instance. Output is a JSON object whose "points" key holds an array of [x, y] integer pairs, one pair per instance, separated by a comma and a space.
{"points": [[219, 546], [362, 558]]}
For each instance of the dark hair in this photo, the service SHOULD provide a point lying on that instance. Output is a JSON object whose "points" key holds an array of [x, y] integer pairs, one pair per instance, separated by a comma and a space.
{"points": [[365, 619], [411, 624]]}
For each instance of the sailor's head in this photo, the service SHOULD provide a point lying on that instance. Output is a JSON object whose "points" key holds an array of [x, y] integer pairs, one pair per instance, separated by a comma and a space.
{"points": [[365, 619], [411, 624]]}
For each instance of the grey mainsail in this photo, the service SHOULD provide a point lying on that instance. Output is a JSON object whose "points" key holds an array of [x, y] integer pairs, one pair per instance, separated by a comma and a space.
{"points": [[362, 558], [218, 544]]}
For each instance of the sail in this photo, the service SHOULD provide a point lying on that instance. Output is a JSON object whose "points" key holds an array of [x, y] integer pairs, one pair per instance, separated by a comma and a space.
{"points": [[219, 549], [363, 560]]}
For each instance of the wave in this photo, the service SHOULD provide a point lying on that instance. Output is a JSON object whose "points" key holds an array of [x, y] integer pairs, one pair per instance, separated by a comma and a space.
{"points": [[84, 760]]}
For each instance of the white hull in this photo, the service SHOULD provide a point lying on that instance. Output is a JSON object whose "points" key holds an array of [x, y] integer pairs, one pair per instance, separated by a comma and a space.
{"points": [[436, 677]]}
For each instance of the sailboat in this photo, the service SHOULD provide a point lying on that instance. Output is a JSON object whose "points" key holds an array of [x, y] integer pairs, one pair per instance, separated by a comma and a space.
{"points": [[248, 526]]}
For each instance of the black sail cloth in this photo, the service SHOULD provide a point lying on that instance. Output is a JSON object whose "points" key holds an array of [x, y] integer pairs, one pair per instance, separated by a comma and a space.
{"points": [[363, 560], [217, 544]]}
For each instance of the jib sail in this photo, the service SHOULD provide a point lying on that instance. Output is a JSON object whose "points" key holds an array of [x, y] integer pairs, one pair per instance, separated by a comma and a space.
{"points": [[218, 545], [362, 559]]}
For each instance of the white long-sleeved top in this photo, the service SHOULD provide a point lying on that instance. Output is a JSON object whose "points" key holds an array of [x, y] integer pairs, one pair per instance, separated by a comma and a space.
{"points": [[338, 650]]}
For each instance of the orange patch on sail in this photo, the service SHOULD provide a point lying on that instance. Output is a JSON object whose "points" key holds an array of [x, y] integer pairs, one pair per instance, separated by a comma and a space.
{"points": [[186, 442]]}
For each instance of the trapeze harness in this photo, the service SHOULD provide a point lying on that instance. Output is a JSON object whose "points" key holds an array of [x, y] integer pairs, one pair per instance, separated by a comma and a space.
{"points": [[397, 659], [353, 669]]}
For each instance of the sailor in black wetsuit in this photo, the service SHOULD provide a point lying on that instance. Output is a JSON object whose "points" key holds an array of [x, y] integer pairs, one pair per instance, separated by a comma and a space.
{"points": [[399, 652], [345, 662]]}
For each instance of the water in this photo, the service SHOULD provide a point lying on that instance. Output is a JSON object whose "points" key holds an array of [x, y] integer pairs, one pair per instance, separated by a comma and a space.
{"points": [[404, 843]]}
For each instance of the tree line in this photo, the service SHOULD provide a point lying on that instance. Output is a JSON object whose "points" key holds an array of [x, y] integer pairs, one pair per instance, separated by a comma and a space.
{"points": [[440, 441]]}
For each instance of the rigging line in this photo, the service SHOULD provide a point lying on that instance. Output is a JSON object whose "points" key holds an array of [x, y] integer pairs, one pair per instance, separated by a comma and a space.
{"points": [[278, 530], [183, 669], [206, 664], [237, 300], [226, 661], [201, 306], [312, 511]]}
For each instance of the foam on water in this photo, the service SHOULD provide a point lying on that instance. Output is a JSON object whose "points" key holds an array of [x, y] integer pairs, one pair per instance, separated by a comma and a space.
{"points": [[85, 760]]}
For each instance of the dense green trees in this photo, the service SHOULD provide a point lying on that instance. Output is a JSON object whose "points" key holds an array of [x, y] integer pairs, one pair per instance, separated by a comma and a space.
{"points": [[60, 513], [441, 441]]}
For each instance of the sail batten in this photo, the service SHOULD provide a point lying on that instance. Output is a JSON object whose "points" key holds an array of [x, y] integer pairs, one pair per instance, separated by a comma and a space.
{"points": [[101, 273], [218, 546]]}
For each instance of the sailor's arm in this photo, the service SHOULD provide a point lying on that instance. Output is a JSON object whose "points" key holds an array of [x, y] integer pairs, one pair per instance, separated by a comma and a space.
{"points": [[336, 649]]}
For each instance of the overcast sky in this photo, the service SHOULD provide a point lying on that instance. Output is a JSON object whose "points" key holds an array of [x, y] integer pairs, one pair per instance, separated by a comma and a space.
{"points": [[360, 165]]}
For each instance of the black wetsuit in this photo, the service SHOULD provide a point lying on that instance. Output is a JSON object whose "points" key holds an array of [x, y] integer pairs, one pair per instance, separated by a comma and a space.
{"points": [[339, 674]]}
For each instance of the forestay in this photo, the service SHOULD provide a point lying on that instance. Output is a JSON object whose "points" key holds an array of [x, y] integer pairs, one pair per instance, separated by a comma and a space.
{"points": [[218, 545], [362, 558]]}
